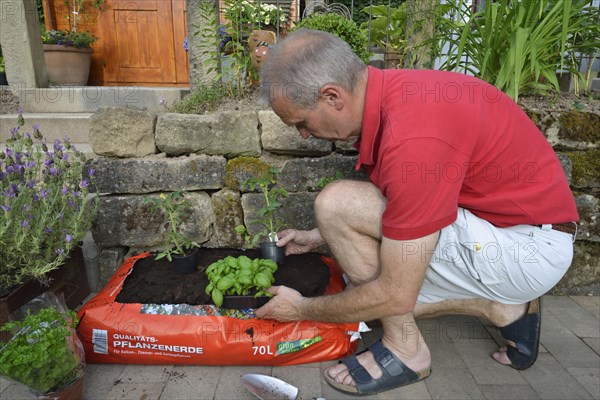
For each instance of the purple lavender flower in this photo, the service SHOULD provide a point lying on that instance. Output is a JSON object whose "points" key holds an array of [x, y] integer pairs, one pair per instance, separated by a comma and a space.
{"points": [[9, 169], [57, 145], [84, 183], [20, 111], [5, 208], [18, 156], [24, 224], [48, 162], [44, 193], [36, 127], [9, 152], [53, 171], [65, 190], [60, 252], [68, 238], [91, 172], [36, 197], [47, 229]]}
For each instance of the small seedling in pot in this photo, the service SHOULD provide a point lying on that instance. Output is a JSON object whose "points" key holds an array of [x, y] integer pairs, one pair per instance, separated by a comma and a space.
{"points": [[266, 214]]}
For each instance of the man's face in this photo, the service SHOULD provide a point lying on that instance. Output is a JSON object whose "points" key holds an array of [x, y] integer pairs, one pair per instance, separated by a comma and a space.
{"points": [[325, 121]]}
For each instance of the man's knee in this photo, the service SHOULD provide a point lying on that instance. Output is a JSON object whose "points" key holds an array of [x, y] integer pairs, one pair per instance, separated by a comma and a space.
{"points": [[344, 198]]}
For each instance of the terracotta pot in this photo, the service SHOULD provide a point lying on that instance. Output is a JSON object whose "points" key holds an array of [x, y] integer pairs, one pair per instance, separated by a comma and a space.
{"points": [[67, 65]]}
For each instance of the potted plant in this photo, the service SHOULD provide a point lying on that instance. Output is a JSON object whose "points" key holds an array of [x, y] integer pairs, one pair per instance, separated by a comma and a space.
{"points": [[46, 207], [232, 279], [45, 354], [68, 53], [266, 216], [179, 249]]}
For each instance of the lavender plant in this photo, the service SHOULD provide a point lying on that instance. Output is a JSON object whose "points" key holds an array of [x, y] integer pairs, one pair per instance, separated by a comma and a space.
{"points": [[45, 205]]}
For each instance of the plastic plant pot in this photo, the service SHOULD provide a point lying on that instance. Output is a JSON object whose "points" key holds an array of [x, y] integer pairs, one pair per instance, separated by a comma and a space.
{"points": [[186, 264], [271, 251]]}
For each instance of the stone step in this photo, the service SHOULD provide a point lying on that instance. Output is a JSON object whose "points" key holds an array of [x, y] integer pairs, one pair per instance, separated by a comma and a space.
{"points": [[87, 99], [76, 126]]}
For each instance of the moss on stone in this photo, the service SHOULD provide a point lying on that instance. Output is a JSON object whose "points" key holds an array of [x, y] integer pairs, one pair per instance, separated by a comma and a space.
{"points": [[584, 271], [580, 126], [239, 169], [535, 116], [586, 166]]}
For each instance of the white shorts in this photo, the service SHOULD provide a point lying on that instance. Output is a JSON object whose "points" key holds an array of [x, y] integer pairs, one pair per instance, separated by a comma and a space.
{"points": [[475, 259]]}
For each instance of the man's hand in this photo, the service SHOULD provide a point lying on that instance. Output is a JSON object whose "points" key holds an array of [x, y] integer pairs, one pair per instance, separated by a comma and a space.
{"points": [[284, 307], [299, 242]]}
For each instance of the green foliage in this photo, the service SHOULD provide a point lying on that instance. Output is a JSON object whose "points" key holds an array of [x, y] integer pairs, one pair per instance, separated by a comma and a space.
{"points": [[208, 48], [266, 214], [355, 6], [46, 206], [202, 99], [174, 205], [40, 354], [345, 29], [239, 276], [253, 14], [388, 27], [1, 63], [519, 45], [329, 179], [78, 40]]}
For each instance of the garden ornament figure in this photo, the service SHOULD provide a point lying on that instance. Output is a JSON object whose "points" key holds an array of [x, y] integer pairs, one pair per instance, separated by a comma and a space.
{"points": [[260, 54], [452, 221]]}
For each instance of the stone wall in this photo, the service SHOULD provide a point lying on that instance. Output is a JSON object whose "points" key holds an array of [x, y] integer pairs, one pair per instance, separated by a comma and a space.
{"points": [[141, 154]]}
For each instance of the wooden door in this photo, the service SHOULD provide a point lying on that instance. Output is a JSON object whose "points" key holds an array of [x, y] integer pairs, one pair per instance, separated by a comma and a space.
{"points": [[143, 42]]}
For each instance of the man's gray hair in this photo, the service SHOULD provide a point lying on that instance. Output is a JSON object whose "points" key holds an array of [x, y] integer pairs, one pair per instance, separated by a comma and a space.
{"points": [[302, 63]]}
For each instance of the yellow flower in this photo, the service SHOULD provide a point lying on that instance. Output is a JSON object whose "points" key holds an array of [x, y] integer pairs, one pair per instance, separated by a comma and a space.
{"points": [[162, 196]]}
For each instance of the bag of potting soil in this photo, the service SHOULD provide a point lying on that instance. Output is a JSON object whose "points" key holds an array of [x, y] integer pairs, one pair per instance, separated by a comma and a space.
{"points": [[203, 334]]}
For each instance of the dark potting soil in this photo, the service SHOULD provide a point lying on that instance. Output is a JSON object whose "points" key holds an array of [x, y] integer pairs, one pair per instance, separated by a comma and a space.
{"points": [[154, 281]]}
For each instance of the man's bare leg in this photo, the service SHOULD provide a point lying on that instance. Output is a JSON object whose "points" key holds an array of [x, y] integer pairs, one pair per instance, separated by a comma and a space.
{"points": [[349, 219]]}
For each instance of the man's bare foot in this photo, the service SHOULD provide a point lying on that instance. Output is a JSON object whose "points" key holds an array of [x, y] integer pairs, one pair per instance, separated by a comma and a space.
{"points": [[421, 361]]}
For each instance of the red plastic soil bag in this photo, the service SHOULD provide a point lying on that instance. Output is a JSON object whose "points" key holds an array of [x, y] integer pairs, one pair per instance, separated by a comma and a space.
{"points": [[121, 333]]}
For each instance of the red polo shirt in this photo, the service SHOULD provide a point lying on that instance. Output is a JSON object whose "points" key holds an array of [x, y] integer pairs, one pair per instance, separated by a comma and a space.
{"points": [[433, 141]]}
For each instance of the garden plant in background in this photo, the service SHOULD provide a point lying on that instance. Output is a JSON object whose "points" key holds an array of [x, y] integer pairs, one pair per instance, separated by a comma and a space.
{"points": [[174, 205], [45, 205], [344, 28], [519, 46]]}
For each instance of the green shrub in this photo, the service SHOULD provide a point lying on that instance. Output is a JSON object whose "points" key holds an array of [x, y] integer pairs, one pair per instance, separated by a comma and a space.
{"points": [[345, 29], [200, 101]]}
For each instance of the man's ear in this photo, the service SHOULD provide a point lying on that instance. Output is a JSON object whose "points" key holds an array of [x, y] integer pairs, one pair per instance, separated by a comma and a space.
{"points": [[332, 95]]}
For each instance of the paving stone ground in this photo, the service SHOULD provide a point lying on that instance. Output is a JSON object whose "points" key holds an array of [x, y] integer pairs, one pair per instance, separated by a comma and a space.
{"points": [[568, 366]]}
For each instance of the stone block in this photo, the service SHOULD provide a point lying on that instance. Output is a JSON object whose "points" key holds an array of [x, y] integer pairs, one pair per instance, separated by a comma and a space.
{"points": [[579, 129], [122, 132], [345, 147], [279, 138], [228, 214], [585, 269], [241, 168], [307, 173], [230, 134], [588, 207], [109, 260], [296, 211], [567, 165], [159, 173], [586, 169], [129, 221]]}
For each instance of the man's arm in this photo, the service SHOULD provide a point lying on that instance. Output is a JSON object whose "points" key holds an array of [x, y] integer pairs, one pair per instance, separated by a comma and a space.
{"points": [[393, 292]]}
